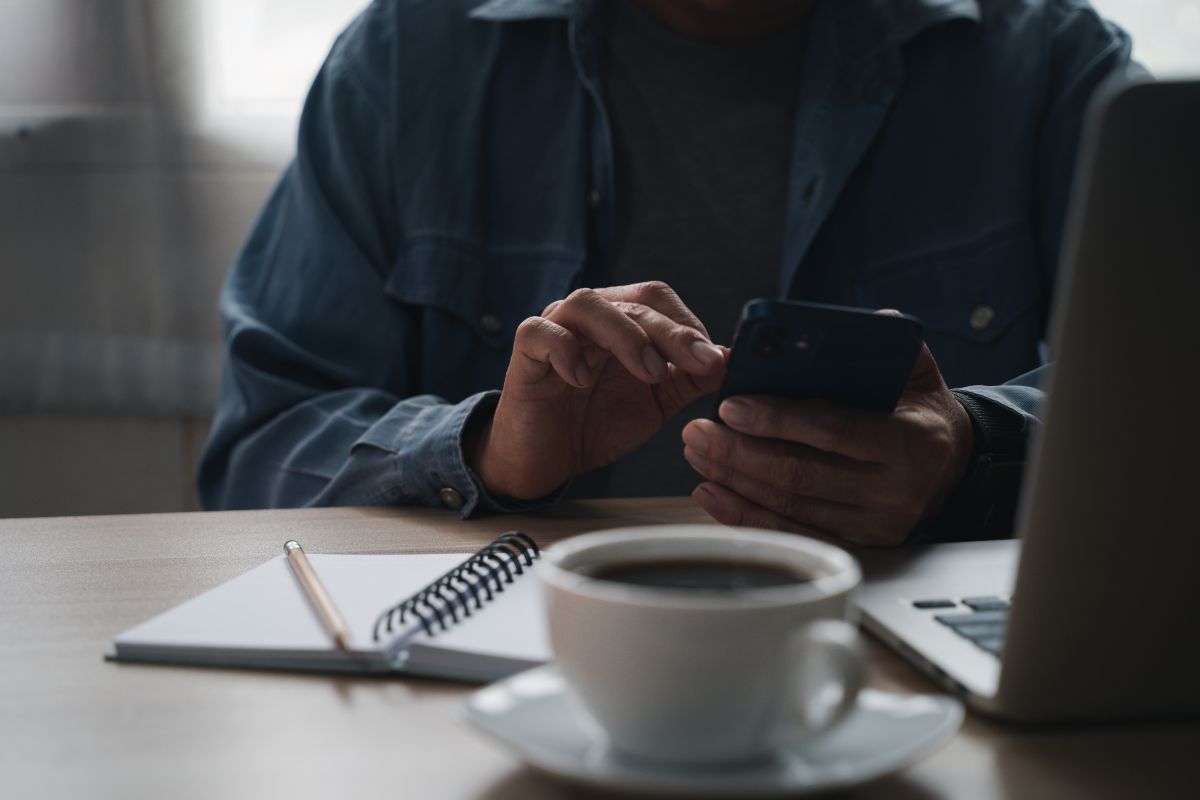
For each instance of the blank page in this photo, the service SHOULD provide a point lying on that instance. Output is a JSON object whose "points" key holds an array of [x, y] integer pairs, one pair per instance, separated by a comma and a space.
{"points": [[506, 635], [263, 616]]}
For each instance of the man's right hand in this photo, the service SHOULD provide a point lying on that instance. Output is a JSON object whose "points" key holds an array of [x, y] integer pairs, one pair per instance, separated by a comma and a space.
{"points": [[591, 379]]}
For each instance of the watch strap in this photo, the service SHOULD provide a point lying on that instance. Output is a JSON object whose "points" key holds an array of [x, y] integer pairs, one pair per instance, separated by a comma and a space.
{"points": [[984, 506]]}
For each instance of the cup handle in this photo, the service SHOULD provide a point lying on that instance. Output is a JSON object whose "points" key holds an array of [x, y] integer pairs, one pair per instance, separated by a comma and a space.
{"points": [[828, 670]]}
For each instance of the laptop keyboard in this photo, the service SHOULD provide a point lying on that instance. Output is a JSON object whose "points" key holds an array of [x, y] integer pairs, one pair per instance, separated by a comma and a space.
{"points": [[980, 619]]}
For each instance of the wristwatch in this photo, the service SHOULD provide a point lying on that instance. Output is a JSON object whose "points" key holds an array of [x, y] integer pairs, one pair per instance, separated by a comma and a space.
{"points": [[984, 506]]}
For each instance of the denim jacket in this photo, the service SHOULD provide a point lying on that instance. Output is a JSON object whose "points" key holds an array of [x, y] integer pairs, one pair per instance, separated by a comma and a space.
{"points": [[454, 175]]}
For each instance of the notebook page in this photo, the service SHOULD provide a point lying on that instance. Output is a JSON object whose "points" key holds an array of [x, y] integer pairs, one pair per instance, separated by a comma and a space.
{"points": [[265, 613], [511, 628]]}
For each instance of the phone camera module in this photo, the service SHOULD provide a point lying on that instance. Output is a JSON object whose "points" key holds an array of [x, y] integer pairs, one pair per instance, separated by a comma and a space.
{"points": [[768, 341]]}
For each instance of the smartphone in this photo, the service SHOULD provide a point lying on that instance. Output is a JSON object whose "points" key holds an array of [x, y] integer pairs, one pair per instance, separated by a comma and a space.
{"points": [[845, 355]]}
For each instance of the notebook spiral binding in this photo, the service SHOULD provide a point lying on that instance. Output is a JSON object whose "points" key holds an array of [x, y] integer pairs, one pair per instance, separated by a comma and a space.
{"points": [[477, 580]]}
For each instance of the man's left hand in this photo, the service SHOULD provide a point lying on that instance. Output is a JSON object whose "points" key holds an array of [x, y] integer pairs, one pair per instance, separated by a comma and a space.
{"points": [[822, 469]]}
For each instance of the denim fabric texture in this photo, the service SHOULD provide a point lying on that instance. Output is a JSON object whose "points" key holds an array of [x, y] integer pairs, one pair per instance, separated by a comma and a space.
{"points": [[454, 176]]}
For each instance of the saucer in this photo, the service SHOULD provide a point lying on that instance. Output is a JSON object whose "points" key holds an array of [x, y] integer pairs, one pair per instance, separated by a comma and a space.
{"points": [[531, 715]]}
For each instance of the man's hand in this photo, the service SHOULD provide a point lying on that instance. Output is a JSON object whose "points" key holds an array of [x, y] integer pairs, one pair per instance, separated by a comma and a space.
{"points": [[589, 380], [817, 468]]}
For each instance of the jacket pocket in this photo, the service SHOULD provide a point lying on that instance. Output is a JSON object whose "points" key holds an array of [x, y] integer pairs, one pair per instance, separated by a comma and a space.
{"points": [[464, 306], [982, 303], [490, 293]]}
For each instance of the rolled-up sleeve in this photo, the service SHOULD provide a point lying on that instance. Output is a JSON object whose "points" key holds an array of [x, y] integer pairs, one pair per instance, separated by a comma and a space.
{"points": [[320, 403], [1084, 51]]}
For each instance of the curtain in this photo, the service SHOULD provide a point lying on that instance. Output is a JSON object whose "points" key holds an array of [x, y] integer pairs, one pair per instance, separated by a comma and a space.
{"points": [[138, 139]]}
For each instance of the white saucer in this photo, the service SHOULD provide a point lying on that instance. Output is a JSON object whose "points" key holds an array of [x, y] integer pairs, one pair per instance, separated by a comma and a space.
{"points": [[531, 715]]}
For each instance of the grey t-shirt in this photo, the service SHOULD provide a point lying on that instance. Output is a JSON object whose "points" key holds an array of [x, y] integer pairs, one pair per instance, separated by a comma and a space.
{"points": [[703, 140]]}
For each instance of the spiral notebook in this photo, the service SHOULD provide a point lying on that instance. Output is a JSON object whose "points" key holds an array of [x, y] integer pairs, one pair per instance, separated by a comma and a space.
{"points": [[473, 618]]}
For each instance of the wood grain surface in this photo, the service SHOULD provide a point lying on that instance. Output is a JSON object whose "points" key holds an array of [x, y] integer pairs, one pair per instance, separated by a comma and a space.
{"points": [[73, 725]]}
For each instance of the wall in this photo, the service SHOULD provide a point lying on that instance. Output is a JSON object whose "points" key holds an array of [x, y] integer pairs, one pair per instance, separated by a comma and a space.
{"points": [[138, 139]]}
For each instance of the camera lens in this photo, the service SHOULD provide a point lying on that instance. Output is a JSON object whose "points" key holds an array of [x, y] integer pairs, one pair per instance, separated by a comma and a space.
{"points": [[768, 341]]}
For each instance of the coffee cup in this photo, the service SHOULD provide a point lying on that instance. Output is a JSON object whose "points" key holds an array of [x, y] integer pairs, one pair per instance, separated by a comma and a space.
{"points": [[698, 644]]}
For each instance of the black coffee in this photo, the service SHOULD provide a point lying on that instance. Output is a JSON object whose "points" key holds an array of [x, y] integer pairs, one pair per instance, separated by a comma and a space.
{"points": [[703, 575]]}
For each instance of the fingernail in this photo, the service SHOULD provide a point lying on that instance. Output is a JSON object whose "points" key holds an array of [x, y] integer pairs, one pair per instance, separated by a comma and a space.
{"points": [[583, 375], [705, 495], [654, 362], [737, 412], [708, 355], [696, 439]]}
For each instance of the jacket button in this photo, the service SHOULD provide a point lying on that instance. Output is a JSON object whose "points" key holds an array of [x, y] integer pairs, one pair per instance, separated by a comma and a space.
{"points": [[982, 317], [593, 199], [489, 322], [450, 498]]}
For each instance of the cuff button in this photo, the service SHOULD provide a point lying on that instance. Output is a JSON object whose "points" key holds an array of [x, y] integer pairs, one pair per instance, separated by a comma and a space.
{"points": [[450, 498]]}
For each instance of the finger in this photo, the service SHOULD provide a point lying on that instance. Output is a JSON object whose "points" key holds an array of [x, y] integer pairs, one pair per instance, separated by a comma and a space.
{"points": [[659, 296], [837, 518], [797, 469], [587, 313], [730, 508], [541, 346], [682, 388], [682, 339], [863, 435], [682, 344], [707, 383]]}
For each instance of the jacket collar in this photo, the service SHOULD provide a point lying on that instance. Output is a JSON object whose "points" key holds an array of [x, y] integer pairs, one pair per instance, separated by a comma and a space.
{"points": [[906, 18], [517, 10]]}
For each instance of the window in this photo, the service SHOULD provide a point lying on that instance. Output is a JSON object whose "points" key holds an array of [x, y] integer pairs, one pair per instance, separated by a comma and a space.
{"points": [[259, 57], [1166, 33]]}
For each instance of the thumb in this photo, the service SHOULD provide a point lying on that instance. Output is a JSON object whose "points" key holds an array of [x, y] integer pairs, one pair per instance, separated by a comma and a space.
{"points": [[925, 375], [681, 388]]}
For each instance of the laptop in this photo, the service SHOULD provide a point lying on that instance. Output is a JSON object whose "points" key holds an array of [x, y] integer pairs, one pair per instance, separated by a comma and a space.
{"points": [[1093, 613]]}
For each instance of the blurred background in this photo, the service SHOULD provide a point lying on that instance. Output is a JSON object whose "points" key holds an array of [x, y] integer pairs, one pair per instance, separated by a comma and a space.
{"points": [[138, 140]]}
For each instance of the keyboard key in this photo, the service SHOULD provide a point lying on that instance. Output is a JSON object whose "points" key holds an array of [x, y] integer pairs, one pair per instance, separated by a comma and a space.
{"points": [[925, 604], [995, 645], [954, 620], [985, 603], [980, 630]]}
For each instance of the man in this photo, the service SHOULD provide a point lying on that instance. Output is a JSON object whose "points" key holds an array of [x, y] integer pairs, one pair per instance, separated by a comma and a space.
{"points": [[464, 169]]}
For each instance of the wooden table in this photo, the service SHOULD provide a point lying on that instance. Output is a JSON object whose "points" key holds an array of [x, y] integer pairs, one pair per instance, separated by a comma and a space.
{"points": [[74, 725]]}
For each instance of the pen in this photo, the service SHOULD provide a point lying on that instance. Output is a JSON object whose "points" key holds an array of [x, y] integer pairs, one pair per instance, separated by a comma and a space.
{"points": [[322, 603]]}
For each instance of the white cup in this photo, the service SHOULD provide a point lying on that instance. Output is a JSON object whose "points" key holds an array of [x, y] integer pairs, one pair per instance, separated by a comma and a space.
{"points": [[699, 677]]}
